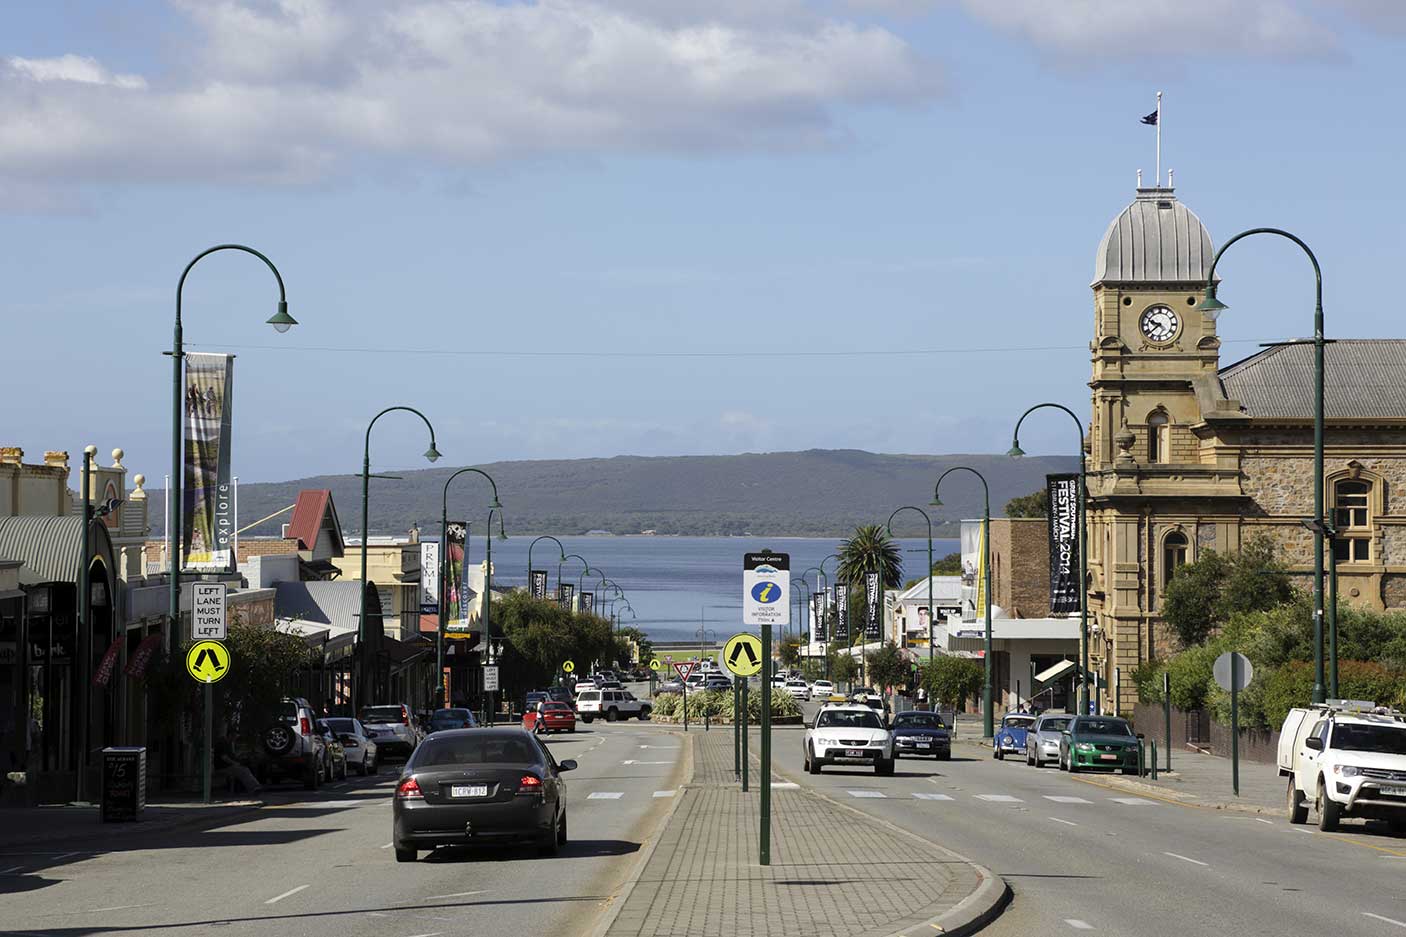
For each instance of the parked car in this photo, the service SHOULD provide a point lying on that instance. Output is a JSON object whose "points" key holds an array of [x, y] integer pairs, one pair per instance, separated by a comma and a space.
{"points": [[1098, 742], [336, 757], [561, 694], [716, 681], [611, 705], [918, 732], [359, 749], [550, 716], [1350, 758], [532, 698], [669, 686], [848, 734], [391, 728], [456, 717], [480, 785], [798, 689], [1010, 736], [582, 686], [293, 746], [609, 685], [1042, 740]]}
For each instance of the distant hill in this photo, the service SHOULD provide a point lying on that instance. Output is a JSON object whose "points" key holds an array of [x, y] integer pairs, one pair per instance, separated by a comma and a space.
{"points": [[819, 492]]}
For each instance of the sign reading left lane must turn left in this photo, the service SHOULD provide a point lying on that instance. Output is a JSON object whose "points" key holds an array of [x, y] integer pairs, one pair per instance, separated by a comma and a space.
{"points": [[208, 661]]}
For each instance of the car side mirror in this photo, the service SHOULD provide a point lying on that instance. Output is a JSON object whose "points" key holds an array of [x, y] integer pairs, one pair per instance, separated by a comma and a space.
{"points": [[567, 765], [1313, 742]]}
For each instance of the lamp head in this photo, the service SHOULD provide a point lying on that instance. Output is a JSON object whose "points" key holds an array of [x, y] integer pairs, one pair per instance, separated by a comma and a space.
{"points": [[281, 320], [936, 502], [1211, 305], [432, 453], [499, 505], [1015, 451]]}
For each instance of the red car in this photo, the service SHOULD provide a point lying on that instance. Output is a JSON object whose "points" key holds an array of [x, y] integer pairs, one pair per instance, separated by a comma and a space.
{"points": [[550, 716]]}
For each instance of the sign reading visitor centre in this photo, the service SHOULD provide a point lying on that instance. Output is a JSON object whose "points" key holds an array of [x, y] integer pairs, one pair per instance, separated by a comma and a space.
{"points": [[766, 589]]}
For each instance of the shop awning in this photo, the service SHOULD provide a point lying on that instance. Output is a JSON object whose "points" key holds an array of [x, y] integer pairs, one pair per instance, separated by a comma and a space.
{"points": [[1060, 670]]}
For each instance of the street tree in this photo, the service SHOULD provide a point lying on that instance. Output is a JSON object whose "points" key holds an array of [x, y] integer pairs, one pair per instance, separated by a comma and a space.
{"points": [[844, 669], [1035, 504], [790, 653], [887, 667], [953, 680], [1204, 595]]}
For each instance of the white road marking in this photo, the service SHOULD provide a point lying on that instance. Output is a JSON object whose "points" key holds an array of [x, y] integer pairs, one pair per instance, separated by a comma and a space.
{"points": [[457, 894], [1066, 799], [999, 798], [784, 785], [387, 845], [646, 762], [1065, 822], [922, 796], [343, 803], [1078, 924], [431, 934], [1389, 920], [15, 869], [64, 855], [1186, 858], [120, 907], [665, 793], [866, 793], [1134, 801], [291, 891], [662, 748], [605, 795]]}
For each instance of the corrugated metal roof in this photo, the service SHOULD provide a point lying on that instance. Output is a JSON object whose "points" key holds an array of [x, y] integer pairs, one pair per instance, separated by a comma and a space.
{"points": [[49, 546], [1362, 379], [308, 511], [945, 589], [334, 604], [1155, 239]]}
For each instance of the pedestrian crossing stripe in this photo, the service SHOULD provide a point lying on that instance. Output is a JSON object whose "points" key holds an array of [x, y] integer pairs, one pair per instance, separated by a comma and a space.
{"points": [[1000, 798], [1067, 800], [1134, 801], [867, 794], [922, 796], [208, 661]]}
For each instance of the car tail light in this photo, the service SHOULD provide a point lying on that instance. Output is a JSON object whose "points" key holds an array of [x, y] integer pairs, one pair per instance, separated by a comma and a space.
{"points": [[409, 788], [529, 784], [404, 716], [304, 726]]}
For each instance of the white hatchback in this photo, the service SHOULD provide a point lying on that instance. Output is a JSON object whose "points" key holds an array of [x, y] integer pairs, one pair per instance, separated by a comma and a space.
{"points": [[848, 734]]}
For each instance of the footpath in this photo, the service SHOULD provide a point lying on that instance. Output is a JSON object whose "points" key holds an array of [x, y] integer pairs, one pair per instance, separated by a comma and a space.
{"points": [[834, 871]]}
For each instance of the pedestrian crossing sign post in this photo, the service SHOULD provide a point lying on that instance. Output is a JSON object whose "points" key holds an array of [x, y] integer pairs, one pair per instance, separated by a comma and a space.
{"points": [[207, 661], [742, 654], [569, 667], [654, 664]]}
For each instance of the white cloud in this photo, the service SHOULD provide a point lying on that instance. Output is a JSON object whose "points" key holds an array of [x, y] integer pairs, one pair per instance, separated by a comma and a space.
{"points": [[299, 90]]}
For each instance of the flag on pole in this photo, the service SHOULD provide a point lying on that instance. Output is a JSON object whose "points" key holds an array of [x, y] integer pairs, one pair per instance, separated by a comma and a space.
{"points": [[1150, 119]]}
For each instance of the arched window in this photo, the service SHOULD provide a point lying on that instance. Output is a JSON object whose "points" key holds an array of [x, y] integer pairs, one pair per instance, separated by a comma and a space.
{"points": [[1352, 516], [1157, 437], [1174, 547]]}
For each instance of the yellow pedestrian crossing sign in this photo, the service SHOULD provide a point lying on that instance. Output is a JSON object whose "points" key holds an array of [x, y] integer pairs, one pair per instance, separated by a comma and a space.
{"points": [[742, 654], [654, 664], [569, 666], [208, 661]]}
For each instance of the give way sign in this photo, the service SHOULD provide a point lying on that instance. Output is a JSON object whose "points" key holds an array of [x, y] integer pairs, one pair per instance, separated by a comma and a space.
{"points": [[684, 669]]}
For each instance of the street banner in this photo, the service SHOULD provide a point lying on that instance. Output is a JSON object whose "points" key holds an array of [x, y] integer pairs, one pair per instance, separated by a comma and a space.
{"points": [[141, 658], [456, 615], [103, 674], [817, 610], [207, 515], [565, 593], [871, 607], [818, 629], [429, 577], [766, 589], [841, 613], [981, 569], [588, 603], [1064, 543], [537, 583]]}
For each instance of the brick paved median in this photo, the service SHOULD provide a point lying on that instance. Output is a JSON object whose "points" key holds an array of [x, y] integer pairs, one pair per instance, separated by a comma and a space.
{"points": [[833, 872]]}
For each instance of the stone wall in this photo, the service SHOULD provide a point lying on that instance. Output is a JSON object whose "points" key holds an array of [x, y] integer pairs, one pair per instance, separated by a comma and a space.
{"points": [[1023, 548]]}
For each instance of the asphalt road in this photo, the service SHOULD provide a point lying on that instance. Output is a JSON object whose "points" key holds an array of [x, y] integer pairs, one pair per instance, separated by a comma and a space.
{"points": [[324, 866], [1082, 856]]}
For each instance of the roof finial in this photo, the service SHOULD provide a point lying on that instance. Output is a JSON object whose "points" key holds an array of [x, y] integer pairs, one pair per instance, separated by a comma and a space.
{"points": [[1159, 140], [1139, 178], [1170, 173]]}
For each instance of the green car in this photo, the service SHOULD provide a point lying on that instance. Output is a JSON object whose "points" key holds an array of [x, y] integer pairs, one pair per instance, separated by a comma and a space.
{"points": [[1093, 742]]}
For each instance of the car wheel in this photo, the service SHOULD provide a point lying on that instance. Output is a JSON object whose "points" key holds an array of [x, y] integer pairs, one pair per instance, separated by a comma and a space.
{"points": [[945, 756], [1397, 826], [1073, 765], [561, 832], [644, 713], [587, 719], [361, 767], [814, 764], [572, 729], [1329, 811], [1298, 807], [612, 714], [550, 845], [998, 754], [406, 855]]}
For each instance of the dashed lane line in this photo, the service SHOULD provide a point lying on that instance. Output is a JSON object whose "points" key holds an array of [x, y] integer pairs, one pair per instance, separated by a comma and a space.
{"points": [[387, 845], [11, 870], [999, 798], [1134, 801], [1077, 924], [1065, 822], [665, 793], [290, 892], [1065, 799], [457, 894], [1177, 855], [919, 795], [1388, 920]]}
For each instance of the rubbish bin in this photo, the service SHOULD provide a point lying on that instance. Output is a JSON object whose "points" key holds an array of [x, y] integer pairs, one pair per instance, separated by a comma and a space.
{"points": [[124, 783]]}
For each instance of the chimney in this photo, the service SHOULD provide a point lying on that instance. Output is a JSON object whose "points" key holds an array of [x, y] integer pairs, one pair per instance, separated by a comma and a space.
{"points": [[11, 455], [53, 458]]}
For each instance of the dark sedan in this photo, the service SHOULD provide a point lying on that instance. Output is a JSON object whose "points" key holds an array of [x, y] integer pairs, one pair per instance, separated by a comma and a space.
{"points": [[1098, 742], [916, 732], [480, 785], [452, 718]]}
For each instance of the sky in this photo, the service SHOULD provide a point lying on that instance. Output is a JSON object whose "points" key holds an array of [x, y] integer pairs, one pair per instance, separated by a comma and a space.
{"points": [[569, 229]]}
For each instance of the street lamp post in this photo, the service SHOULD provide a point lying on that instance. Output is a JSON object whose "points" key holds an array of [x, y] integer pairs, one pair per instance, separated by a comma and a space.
{"points": [[281, 322], [1016, 451], [561, 549], [432, 454], [988, 721], [444, 565], [801, 619], [1213, 307], [488, 595], [909, 507], [836, 558]]}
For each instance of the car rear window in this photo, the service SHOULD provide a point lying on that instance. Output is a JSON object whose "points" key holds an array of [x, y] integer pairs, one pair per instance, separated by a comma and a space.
{"points": [[288, 712], [1053, 725], [342, 726], [590, 696], [382, 714], [474, 749], [556, 707], [451, 719]]}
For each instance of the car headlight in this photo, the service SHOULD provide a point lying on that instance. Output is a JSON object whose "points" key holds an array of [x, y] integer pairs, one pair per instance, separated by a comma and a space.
{"points": [[1084, 746], [1347, 771]]}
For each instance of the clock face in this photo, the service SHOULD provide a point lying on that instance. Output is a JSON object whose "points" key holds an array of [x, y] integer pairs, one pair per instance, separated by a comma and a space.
{"points": [[1159, 324]]}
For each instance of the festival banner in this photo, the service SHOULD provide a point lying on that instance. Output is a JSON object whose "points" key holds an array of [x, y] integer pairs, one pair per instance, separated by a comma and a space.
{"points": [[588, 603], [456, 615], [537, 583], [207, 515], [841, 612], [817, 618], [1064, 543], [565, 593], [872, 631]]}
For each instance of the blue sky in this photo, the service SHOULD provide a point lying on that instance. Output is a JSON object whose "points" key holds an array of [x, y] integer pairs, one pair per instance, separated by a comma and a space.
{"points": [[533, 220]]}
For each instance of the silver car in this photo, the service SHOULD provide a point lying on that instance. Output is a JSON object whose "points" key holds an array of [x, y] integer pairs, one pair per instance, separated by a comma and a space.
{"points": [[1042, 742]]}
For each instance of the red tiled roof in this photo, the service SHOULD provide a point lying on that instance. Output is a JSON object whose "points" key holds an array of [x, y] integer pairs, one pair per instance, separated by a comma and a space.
{"points": [[308, 511]]}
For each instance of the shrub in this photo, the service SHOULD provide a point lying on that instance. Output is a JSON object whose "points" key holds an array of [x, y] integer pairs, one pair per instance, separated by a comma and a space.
{"points": [[1285, 687]]}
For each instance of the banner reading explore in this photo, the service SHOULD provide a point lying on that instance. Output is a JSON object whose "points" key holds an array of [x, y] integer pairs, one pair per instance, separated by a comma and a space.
{"points": [[1064, 543], [207, 512]]}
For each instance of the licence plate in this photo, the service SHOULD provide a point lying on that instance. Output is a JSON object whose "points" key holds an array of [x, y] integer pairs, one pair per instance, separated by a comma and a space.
{"points": [[469, 790], [1394, 791], [854, 753], [1109, 757], [925, 745]]}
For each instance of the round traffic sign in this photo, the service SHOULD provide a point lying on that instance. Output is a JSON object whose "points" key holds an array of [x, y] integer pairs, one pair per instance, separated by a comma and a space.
{"points": [[1245, 671], [742, 654], [654, 664], [569, 666], [207, 661]]}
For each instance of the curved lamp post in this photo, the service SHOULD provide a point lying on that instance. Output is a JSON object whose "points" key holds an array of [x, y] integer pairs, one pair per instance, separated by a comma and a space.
{"points": [[488, 644], [432, 454], [931, 616], [822, 583], [987, 714], [1016, 452], [836, 558], [560, 549], [1213, 307], [281, 322], [569, 556], [444, 566], [801, 619]]}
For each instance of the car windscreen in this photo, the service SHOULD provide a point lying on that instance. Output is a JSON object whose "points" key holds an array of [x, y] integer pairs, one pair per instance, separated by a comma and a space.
{"points": [[1019, 722], [1355, 737], [380, 714], [473, 749], [1054, 725], [451, 719], [848, 719], [342, 726], [918, 721], [1104, 727]]}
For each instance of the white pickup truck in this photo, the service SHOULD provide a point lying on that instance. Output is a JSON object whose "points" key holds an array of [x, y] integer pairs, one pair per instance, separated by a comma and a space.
{"points": [[1348, 758]]}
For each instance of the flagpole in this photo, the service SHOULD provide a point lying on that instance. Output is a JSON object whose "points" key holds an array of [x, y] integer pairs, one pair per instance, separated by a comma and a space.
{"points": [[1158, 183]]}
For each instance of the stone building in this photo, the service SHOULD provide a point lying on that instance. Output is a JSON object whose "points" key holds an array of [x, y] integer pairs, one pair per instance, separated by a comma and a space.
{"points": [[1186, 455]]}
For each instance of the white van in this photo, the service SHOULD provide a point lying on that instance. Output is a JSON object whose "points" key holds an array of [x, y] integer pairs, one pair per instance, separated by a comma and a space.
{"points": [[1349, 757]]}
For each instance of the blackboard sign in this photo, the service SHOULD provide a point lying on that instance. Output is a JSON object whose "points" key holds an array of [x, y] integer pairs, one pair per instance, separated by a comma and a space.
{"points": [[124, 783]]}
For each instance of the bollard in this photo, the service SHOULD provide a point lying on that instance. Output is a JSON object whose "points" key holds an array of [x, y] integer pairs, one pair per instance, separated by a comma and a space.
{"points": [[707, 721], [1153, 759], [1141, 762]]}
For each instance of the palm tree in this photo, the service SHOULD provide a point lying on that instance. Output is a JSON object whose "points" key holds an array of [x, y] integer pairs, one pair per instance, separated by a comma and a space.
{"points": [[870, 550]]}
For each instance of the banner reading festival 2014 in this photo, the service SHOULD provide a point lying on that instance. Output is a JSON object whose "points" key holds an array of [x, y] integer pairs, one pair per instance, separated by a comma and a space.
{"points": [[207, 511], [538, 583], [841, 613], [1064, 543], [872, 631], [456, 618]]}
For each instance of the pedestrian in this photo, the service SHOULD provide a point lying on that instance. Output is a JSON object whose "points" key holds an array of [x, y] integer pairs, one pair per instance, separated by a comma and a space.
{"points": [[226, 761]]}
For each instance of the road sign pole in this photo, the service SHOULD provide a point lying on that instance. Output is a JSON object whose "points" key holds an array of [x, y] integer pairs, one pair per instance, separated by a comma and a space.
{"points": [[737, 716], [1235, 723], [208, 759], [1167, 714], [765, 849], [746, 731]]}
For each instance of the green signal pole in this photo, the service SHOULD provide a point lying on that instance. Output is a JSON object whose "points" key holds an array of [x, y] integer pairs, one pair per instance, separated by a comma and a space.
{"points": [[764, 852], [746, 730]]}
